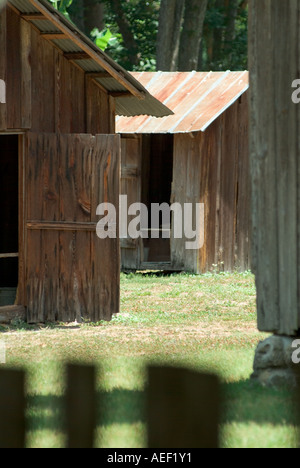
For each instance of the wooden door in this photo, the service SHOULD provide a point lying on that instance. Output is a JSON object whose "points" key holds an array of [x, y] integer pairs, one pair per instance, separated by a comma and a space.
{"points": [[131, 186], [185, 189], [71, 274]]}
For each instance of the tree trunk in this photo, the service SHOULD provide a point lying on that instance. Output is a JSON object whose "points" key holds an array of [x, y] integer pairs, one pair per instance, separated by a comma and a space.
{"points": [[168, 39], [125, 30], [218, 36], [191, 34], [231, 14], [76, 14], [93, 15]]}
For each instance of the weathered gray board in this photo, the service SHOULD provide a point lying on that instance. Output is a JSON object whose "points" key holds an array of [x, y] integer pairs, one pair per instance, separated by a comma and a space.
{"points": [[274, 63]]}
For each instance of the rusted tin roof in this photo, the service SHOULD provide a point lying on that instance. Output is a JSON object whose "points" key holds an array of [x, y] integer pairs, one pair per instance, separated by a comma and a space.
{"points": [[130, 95], [196, 98]]}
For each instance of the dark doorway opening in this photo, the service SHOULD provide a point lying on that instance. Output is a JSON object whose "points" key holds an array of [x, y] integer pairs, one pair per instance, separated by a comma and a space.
{"points": [[157, 177], [9, 219]]}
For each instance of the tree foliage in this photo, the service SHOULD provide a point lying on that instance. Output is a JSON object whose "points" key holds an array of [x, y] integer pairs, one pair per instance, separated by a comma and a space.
{"points": [[167, 35], [225, 36]]}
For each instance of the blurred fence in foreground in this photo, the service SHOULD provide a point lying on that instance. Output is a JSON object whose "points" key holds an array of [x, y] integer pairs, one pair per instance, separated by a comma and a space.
{"points": [[182, 408]]}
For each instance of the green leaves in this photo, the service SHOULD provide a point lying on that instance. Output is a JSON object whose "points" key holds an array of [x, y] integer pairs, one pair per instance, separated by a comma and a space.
{"points": [[107, 40], [62, 6], [101, 38]]}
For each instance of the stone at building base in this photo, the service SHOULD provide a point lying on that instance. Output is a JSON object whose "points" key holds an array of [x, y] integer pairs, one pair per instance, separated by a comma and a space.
{"points": [[8, 314], [273, 365]]}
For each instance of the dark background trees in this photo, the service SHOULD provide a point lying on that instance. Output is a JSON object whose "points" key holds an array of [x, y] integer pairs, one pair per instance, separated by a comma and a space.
{"points": [[166, 35]]}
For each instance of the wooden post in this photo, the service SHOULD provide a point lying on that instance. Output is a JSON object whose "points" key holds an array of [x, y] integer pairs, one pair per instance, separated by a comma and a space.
{"points": [[274, 64], [12, 409], [80, 406], [182, 408]]}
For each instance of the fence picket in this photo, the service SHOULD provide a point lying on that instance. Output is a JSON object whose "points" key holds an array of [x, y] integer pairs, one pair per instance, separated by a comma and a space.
{"points": [[12, 408], [80, 406], [182, 408]]}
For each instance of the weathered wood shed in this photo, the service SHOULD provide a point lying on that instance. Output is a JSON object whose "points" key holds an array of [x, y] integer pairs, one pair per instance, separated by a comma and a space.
{"points": [[60, 158], [197, 155]]}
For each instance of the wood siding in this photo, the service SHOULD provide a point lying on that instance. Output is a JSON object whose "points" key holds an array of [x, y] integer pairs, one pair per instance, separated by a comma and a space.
{"points": [[213, 168], [45, 92], [274, 58], [71, 274]]}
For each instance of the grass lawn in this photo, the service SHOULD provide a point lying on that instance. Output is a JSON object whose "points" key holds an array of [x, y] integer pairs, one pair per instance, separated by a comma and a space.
{"points": [[202, 322]]}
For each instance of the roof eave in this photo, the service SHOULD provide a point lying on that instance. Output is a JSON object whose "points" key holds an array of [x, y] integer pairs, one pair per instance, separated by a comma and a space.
{"points": [[137, 93]]}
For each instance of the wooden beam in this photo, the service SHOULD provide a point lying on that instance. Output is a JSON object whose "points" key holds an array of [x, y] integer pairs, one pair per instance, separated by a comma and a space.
{"points": [[9, 255], [104, 90], [92, 53], [98, 75], [120, 94], [76, 55], [61, 226], [33, 16], [50, 36]]}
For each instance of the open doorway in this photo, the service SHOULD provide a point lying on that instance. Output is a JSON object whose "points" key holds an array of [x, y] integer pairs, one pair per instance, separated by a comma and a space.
{"points": [[9, 220], [157, 174]]}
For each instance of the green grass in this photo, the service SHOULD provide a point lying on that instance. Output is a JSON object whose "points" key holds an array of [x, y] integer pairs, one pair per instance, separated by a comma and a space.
{"points": [[207, 323]]}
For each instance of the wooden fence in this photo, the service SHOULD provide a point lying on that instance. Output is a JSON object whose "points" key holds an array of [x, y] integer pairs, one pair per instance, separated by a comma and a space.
{"points": [[182, 408]]}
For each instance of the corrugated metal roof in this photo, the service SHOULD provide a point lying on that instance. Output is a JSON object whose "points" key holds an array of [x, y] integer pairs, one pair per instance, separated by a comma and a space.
{"points": [[196, 98], [132, 99]]}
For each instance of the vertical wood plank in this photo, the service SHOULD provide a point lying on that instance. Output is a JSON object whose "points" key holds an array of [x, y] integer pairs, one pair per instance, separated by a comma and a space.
{"points": [[208, 146], [21, 296], [286, 64], [178, 196], [243, 257], [13, 86], [106, 252], [192, 194], [228, 188], [12, 408], [298, 170], [69, 96], [264, 253], [112, 115], [183, 408], [42, 163], [98, 117], [78, 117], [81, 406], [43, 81], [131, 186], [25, 46], [76, 154], [3, 71]]}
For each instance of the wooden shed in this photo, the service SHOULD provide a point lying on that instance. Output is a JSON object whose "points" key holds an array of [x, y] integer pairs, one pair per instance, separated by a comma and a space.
{"points": [[60, 158], [197, 155]]}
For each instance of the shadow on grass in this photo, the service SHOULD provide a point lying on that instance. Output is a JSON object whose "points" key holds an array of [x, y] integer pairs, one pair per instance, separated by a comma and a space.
{"points": [[242, 402], [118, 406], [247, 401]]}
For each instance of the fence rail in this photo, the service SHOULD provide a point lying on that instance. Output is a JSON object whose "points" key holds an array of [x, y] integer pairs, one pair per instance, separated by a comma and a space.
{"points": [[182, 408]]}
